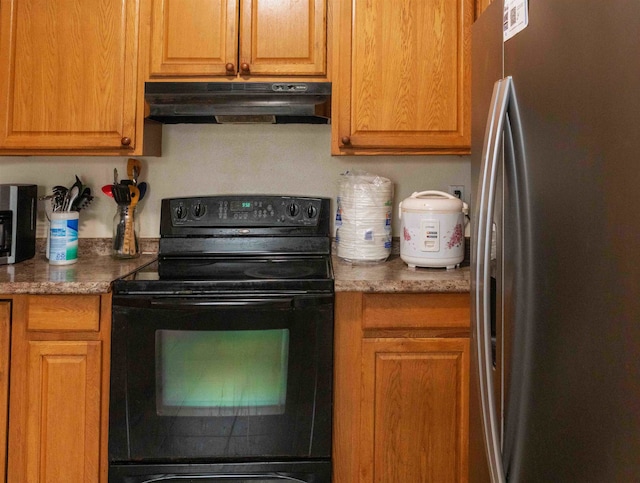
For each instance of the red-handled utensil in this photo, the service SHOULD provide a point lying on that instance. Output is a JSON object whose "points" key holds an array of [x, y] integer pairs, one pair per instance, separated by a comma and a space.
{"points": [[106, 189]]}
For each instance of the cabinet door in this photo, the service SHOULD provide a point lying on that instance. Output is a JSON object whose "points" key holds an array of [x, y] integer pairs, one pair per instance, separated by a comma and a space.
{"points": [[62, 401], [68, 72], [283, 37], [414, 410], [59, 388], [403, 85], [194, 37]]}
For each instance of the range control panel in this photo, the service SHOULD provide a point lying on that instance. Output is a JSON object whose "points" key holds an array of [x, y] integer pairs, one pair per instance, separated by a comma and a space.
{"points": [[249, 210]]}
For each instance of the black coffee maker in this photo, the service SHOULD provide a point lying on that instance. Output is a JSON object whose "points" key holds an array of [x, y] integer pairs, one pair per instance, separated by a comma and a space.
{"points": [[18, 205]]}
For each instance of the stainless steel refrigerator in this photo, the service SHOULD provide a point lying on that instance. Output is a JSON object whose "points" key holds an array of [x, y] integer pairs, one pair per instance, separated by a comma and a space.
{"points": [[556, 244]]}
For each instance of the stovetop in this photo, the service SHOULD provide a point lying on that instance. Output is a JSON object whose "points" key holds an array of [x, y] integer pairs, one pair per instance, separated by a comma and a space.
{"points": [[222, 274], [238, 243]]}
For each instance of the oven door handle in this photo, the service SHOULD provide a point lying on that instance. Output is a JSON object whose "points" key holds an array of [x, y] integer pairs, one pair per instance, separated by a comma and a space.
{"points": [[224, 302], [203, 302]]}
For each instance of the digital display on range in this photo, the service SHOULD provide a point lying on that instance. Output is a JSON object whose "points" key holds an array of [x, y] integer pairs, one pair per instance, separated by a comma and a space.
{"points": [[241, 206]]}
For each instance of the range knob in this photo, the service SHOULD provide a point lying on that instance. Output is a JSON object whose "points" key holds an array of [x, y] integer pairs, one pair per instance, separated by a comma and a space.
{"points": [[180, 212], [293, 210], [312, 211], [198, 209]]}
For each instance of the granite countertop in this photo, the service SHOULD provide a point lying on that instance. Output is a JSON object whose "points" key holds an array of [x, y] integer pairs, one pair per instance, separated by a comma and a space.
{"points": [[91, 274], [395, 276], [96, 269]]}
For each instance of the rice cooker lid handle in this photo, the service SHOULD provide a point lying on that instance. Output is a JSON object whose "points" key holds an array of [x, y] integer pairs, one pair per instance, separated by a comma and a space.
{"points": [[442, 194]]}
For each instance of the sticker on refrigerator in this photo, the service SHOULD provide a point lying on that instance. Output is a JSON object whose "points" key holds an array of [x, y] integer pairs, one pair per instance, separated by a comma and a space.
{"points": [[515, 17]]}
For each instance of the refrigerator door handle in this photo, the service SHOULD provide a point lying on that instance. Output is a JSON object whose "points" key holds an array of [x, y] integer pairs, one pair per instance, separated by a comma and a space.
{"points": [[481, 275]]}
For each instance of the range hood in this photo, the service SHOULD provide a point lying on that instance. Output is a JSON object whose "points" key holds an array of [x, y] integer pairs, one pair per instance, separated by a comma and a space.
{"points": [[238, 102]]}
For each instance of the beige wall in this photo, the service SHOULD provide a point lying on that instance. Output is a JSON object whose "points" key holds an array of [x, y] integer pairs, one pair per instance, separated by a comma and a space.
{"points": [[221, 159]]}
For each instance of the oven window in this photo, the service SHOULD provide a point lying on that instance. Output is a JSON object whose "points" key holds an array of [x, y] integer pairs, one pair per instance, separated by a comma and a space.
{"points": [[221, 373]]}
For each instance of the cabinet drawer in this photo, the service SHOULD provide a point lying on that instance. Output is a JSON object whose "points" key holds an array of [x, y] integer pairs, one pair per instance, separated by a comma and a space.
{"points": [[416, 311], [69, 313]]}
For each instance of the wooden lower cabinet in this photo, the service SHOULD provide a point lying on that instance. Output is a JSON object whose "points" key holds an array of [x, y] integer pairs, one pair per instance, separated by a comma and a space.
{"points": [[401, 388], [5, 342], [59, 389]]}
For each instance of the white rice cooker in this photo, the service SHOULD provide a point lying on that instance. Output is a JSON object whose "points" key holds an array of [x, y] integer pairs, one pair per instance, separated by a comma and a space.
{"points": [[432, 224]]}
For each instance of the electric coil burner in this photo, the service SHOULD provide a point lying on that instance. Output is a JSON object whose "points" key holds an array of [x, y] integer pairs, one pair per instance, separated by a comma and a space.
{"points": [[222, 349]]}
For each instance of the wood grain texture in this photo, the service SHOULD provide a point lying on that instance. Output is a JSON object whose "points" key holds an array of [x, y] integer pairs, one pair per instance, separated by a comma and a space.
{"points": [[284, 37], [196, 39], [71, 313], [105, 338], [401, 394], [347, 387], [59, 397], [5, 350], [16, 454], [413, 311], [405, 83], [415, 422], [193, 37], [63, 399], [68, 74]]}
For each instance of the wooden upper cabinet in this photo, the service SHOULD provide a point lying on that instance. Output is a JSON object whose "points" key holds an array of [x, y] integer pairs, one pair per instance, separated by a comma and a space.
{"points": [[402, 77], [68, 76], [193, 37], [237, 37]]}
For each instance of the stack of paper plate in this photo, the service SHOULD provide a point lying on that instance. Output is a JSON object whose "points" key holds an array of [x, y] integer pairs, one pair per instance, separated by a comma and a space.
{"points": [[363, 219]]}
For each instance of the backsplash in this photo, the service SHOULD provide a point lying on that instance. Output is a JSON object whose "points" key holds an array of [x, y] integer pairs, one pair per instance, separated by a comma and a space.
{"points": [[216, 159]]}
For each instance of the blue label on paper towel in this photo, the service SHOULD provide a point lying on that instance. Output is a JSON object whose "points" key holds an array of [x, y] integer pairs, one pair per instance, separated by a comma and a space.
{"points": [[63, 240]]}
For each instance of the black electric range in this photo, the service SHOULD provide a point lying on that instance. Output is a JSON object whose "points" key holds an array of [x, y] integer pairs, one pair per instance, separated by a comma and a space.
{"points": [[222, 348]]}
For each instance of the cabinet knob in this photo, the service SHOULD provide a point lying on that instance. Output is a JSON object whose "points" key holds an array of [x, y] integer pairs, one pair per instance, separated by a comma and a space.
{"points": [[125, 141], [231, 69], [346, 140], [244, 67]]}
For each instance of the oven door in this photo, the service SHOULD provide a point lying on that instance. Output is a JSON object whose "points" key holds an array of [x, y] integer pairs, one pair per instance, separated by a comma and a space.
{"points": [[221, 378]]}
